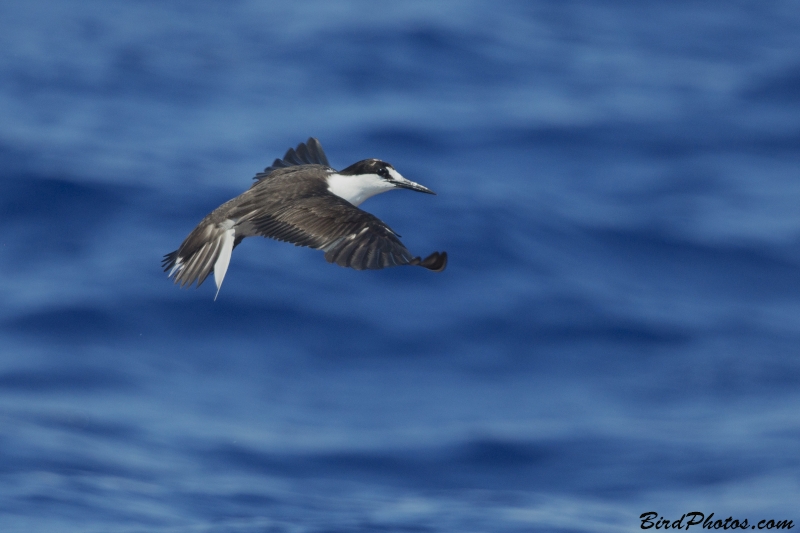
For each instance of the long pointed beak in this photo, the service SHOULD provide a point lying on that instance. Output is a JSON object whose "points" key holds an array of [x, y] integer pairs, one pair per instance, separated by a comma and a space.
{"points": [[403, 183], [413, 186]]}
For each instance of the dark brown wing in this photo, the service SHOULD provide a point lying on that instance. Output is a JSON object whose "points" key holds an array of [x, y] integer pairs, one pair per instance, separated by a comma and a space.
{"points": [[308, 153], [349, 236]]}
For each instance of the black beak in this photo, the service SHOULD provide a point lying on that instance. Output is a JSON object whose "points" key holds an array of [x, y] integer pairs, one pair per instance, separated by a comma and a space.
{"points": [[406, 184]]}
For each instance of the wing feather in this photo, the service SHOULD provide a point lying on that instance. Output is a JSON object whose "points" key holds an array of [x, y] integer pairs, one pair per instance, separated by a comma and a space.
{"points": [[308, 153], [315, 217]]}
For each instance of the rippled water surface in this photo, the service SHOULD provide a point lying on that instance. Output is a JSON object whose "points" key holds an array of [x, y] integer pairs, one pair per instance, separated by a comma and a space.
{"points": [[616, 333]]}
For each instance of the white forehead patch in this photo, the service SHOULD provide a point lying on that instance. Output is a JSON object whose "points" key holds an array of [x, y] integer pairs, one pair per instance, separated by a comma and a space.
{"points": [[395, 174]]}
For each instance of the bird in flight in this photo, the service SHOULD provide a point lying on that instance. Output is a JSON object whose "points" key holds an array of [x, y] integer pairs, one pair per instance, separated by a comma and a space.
{"points": [[302, 200]]}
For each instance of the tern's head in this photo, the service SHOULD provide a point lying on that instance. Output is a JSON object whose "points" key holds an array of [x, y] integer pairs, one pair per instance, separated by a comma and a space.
{"points": [[367, 178]]}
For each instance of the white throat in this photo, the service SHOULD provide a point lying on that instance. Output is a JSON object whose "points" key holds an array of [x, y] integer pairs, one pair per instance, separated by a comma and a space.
{"points": [[356, 189]]}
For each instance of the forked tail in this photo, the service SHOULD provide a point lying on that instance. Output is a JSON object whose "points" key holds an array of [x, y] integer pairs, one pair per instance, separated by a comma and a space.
{"points": [[208, 248]]}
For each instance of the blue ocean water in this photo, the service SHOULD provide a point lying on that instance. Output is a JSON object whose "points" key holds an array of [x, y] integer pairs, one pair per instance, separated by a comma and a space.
{"points": [[616, 333]]}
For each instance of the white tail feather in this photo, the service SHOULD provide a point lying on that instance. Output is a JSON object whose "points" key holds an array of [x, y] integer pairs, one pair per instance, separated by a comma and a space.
{"points": [[177, 267], [224, 259]]}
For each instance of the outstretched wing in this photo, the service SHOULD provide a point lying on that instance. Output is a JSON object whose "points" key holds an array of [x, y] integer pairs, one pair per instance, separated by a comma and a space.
{"points": [[308, 153], [349, 236]]}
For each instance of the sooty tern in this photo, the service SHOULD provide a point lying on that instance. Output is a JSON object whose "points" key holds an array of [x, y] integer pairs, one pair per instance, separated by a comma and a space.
{"points": [[302, 200]]}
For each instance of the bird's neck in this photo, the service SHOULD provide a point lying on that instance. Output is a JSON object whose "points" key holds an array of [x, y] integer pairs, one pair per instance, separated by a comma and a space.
{"points": [[356, 189]]}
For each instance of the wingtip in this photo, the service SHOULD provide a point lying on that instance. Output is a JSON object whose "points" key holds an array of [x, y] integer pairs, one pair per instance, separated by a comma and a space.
{"points": [[435, 262]]}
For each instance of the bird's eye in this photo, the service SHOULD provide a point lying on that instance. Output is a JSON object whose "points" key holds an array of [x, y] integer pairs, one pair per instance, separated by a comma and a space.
{"points": [[383, 173]]}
